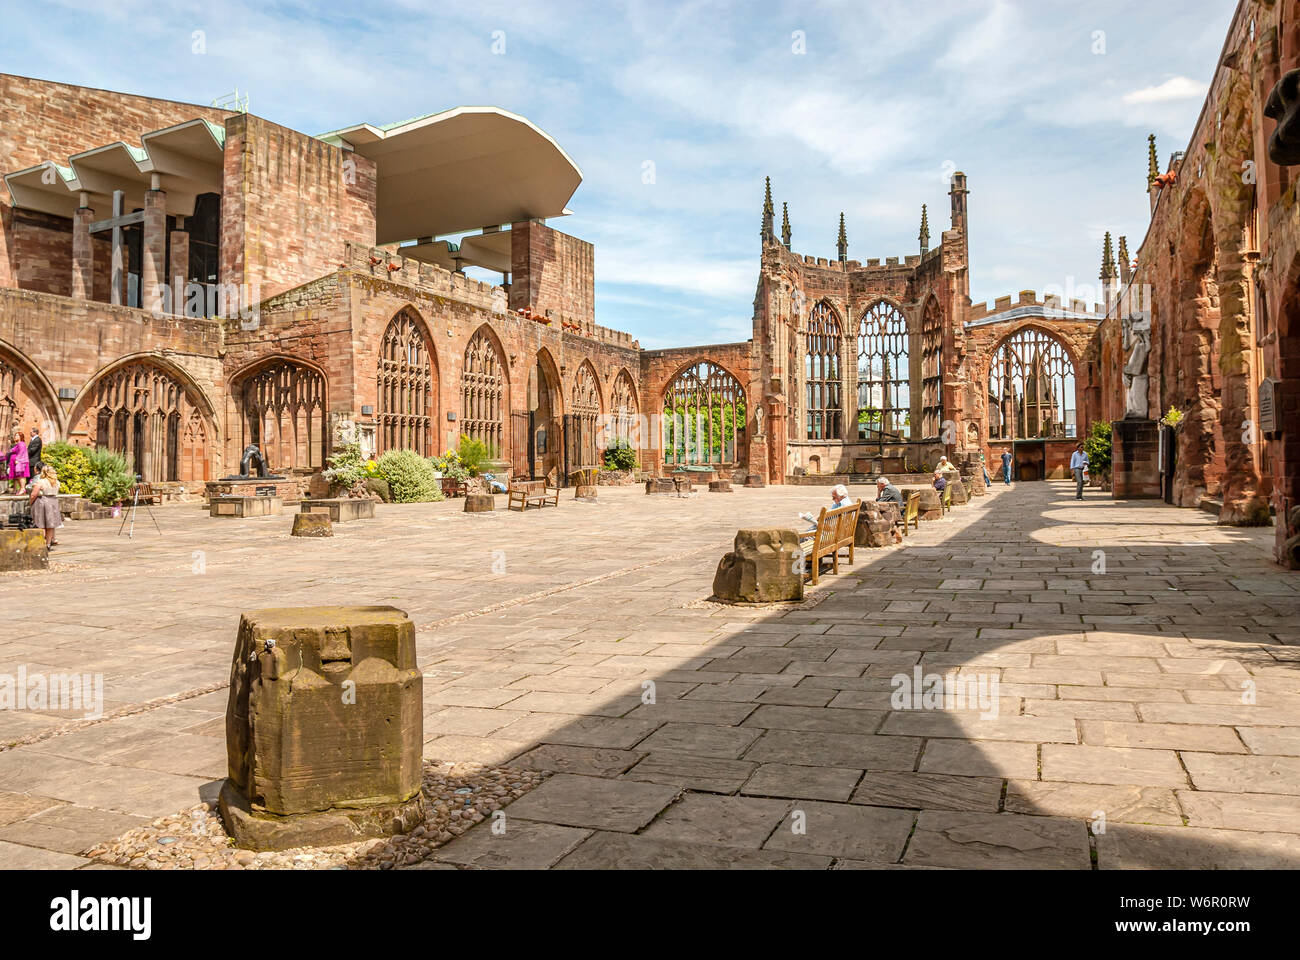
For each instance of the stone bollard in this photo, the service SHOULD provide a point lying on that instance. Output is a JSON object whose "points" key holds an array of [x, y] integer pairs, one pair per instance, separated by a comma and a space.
{"points": [[312, 525], [480, 503], [959, 495], [324, 728], [660, 485], [974, 485], [754, 480], [764, 566], [586, 493], [23, 550], [720, 486]]}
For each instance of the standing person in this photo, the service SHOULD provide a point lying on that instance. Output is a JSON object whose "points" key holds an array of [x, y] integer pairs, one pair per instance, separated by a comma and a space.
{"points": [[34, 446], [44, 501], [1006, 467], [19, 470], [988, 481], [1078, 466]]}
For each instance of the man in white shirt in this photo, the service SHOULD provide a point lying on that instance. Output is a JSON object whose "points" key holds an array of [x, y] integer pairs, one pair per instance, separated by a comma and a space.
{"points": [[1078, 466]]}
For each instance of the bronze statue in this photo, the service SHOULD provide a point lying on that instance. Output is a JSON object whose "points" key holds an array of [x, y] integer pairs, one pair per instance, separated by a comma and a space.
{"points": [[251, 456]]}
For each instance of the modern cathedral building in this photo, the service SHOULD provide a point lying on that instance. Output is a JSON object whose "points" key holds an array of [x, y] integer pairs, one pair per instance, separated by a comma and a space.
{"points": [[178, 282]]}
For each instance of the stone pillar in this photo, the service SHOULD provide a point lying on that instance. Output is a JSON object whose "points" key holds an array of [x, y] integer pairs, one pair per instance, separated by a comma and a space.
{"points": [[83, 254], [1135, 460], [178, 270], [153, 271], [324, 727]]}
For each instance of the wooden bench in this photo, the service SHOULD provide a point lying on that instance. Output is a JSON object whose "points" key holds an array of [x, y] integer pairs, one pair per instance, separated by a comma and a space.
{"points": [[910, 513], [836, 529], [526, 495], [146, 494], [946, 500]]}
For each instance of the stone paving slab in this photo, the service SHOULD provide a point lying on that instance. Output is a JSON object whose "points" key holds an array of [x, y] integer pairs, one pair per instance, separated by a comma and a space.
{"points": [[1120, 695]]}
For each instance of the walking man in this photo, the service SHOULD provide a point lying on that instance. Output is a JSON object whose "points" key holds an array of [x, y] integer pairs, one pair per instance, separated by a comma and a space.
{"points": [[1006, 467], [1079, 466]]}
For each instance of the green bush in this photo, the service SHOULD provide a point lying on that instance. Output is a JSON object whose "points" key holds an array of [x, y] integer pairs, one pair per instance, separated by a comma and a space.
{"points": [[620, 456], [474, 453], [1097, 446], [111, 477], [410, 477], [346, 467], [72, 465], [449, 466]]}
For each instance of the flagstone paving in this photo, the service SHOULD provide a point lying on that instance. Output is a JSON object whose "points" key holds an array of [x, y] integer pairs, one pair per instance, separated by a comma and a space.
{"points": [[1147, 665]]}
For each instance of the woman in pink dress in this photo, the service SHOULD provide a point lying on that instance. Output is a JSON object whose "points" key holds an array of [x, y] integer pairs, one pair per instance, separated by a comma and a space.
{"points": [[19, 469]]}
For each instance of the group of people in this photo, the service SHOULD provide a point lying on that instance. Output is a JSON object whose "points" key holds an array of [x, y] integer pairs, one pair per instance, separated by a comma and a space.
{"points": [[26, 473]]}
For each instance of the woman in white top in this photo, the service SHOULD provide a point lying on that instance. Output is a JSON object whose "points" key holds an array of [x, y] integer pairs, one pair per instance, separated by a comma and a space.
{"points": [[44, 501]]}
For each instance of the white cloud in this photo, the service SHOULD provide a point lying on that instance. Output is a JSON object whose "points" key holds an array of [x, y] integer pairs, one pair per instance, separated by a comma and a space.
{"points": [[1175, 88]]}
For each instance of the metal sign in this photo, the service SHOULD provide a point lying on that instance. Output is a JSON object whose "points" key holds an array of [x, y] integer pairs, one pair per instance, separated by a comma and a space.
{"points": [[1269, 389]]}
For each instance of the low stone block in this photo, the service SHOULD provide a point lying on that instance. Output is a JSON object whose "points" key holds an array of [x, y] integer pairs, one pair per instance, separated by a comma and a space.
{"points": [[586, 492], [720, 486], [245, 507], [480, 503], [974, 485], [660, 485], [931, 507], [959, 494], [342, 509], [312, 525], [765, 566], [875, 529], [754, 480], [23, 550], [324, 727]]}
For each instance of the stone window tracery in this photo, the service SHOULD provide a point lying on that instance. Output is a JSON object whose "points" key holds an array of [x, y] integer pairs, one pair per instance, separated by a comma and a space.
{"points": [[483, 390], [1031, 390], [704, 416], [822, 375], [931, 371], [407, 387], [884, 376]]}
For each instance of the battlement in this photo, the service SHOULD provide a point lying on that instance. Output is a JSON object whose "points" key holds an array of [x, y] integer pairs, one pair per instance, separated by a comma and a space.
{"points": [[1026, 300], [908, 262]]}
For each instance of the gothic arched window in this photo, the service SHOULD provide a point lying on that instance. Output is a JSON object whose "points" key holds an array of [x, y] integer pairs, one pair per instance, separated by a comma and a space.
{"points": [[484, 391], [822, 376], [884, 377], [408, 389], [1031, 388], [704, 416], [931, 371]]}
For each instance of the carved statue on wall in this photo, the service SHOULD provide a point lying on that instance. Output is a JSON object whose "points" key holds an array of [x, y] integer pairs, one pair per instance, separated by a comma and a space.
{"points": [[1137, 342]]}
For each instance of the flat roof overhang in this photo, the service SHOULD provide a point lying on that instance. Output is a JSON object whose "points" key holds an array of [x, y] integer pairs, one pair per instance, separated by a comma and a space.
{"points": [[460, 170]]}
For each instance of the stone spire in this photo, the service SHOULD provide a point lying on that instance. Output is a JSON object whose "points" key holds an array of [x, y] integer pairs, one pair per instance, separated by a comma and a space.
{"points": [[925, 230], [1125, 262], [842, 244], [1153, 163], [785, 225], [1107, 259], [768, 212]]}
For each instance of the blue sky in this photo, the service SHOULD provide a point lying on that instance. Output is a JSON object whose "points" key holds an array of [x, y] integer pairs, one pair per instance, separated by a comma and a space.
{"points": [[1047, 117]]}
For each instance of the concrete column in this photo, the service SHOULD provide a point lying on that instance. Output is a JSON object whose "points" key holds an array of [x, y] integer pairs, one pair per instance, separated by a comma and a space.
{"points": [[83, 253], [153, 272]]}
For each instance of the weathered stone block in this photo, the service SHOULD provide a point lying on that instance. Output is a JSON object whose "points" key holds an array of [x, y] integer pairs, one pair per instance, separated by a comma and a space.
{"points": [[586, 492], [875, 528], [245, 507], [312, 525], [23, 550], [342, 509], [959, 494], [480, 503], [1135, 465], [974, 484], [660, 485], [931, 507], [324, 727], [754, 480], [764, 566], [720, 486]]}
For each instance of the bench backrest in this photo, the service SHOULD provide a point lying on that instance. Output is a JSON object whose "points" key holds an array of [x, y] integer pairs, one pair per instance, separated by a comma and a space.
{"points": [[947, 496], [836, 526], [913, 506]]}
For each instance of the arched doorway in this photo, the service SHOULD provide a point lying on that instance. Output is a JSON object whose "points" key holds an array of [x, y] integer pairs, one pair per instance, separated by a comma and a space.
{"points": [[279, 404], [543, 454], [407, 385], [152, 414], [25, 400], [704, 418], [583, 422]]}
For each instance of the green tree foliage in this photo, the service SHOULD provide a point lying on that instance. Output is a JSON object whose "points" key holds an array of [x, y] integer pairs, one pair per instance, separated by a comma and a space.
{"points": [[410, 477], [111, 477], [474, 454], [689, 439], [620, 456]]}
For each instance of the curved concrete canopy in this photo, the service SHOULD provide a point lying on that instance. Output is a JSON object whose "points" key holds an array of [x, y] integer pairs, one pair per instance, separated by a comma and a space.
{"points": [[460, 170]]}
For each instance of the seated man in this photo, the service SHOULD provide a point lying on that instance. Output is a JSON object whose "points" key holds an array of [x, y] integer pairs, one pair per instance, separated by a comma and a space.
{"points": [[940, 481], [839, 498], [886, 492]]}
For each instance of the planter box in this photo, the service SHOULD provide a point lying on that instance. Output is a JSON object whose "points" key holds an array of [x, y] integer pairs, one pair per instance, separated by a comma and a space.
{"points": [[245, 507]]}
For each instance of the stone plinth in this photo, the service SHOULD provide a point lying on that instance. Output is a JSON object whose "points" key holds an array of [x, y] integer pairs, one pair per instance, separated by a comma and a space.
{"points": [[959, 494], [324, 727], [660, 485], [342, 509], [720, 486], [287, 489], [245, 507], [23, 550], [312, 525], [875, 524], [765, 566], [975, 484], [754, 480], [931, 505], [480, 503], [1135, 460], [586, 493]]}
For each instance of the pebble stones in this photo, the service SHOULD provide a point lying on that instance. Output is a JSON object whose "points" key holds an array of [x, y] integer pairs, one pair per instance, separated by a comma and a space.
{"points": [[458, 797]]}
